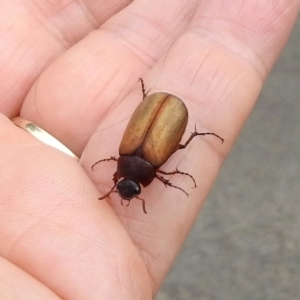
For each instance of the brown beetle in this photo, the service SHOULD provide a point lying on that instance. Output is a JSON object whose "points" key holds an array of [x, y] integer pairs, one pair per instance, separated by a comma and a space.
{"points": [[152, 135]]}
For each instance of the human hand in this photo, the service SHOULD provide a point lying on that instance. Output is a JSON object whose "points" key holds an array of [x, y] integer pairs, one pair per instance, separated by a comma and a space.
{"points": [[57, 239]]}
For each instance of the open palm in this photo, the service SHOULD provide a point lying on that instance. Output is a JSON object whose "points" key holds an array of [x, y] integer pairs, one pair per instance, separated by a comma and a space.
{"points": [[72, 67]]}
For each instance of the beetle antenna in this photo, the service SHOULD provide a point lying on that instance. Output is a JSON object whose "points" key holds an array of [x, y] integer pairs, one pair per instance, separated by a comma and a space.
{"points": [[126, 200]]}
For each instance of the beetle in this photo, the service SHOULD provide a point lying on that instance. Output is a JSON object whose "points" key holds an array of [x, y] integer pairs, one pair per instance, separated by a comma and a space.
{"points": [[152, 135]]}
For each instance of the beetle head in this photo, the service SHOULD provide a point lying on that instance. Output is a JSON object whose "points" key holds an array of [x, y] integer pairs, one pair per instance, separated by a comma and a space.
{"points": [[127, 189]]}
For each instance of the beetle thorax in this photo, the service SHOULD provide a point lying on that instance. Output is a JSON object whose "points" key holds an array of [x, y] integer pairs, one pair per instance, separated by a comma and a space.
{"points": [[135, 168]]}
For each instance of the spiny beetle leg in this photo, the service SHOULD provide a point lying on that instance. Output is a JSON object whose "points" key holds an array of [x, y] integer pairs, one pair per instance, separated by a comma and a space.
{"points": [[166, 182], [195, 133], [178, 172], [143, 88], [106, 159]]}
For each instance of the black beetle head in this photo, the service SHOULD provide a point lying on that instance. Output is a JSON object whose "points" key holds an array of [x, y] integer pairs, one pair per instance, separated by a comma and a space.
{"points": [[127, 189]]}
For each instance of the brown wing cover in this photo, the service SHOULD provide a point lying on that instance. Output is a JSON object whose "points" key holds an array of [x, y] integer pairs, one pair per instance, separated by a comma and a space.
{"points": [[157, 126]]}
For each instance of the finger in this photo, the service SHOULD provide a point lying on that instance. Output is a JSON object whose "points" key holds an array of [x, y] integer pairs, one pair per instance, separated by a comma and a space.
{"points": [[35, 32], [81, 86], [53, 227], [217, 67], [16, 284]]}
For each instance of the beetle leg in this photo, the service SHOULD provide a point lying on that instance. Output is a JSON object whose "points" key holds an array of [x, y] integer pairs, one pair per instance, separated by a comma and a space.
{"points": [[195, 133], [106, 159], [166, 182], [144, 205], [108, 193], [143, 88], [115, 180], [178, 172]]}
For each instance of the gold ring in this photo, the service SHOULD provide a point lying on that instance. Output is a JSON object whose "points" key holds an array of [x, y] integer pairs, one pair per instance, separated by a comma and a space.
{"points": [[42, 135]]}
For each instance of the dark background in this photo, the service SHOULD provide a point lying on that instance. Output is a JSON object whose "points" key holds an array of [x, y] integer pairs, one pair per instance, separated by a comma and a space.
{"points": [[246, 241]]}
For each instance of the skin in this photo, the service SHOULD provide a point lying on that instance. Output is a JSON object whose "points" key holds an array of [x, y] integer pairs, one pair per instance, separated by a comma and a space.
{"points": [[57, 239]]}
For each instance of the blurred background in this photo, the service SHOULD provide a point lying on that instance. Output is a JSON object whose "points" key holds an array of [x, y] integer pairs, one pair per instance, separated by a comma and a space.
{"points": [[246, 241]]}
